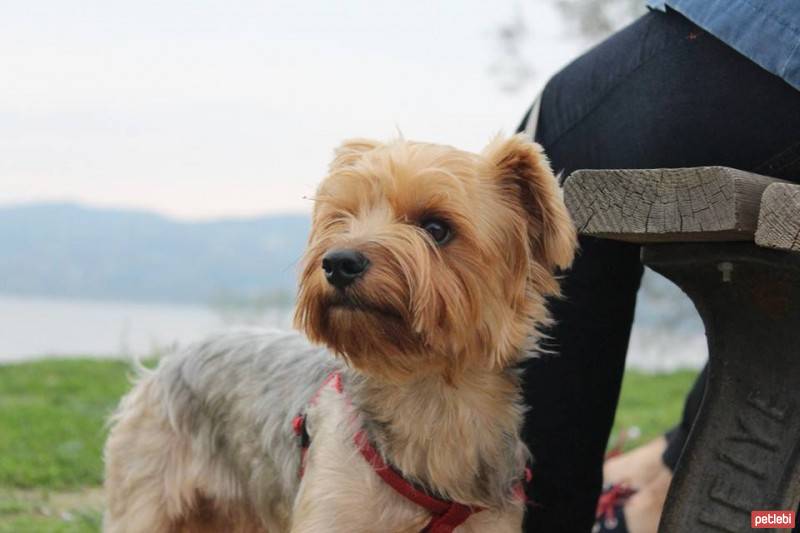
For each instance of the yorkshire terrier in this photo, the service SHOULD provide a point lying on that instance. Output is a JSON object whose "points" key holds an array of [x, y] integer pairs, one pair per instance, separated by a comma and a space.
{"points": [[426, 276]]}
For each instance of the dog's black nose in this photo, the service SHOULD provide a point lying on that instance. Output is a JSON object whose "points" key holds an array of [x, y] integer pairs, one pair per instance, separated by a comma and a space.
{"points": [[343, 267]]}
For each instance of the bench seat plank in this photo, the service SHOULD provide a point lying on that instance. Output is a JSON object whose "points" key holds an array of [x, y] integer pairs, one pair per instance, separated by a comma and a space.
{"points": [[779, 218], [667, 205]]}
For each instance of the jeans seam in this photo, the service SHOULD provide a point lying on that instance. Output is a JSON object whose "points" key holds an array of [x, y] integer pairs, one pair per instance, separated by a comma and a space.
{"points": [[782, 165], [789, 58]]}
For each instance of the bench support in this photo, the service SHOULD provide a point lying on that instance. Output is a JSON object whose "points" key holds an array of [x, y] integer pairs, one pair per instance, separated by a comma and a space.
{"points": [[743, 453]]}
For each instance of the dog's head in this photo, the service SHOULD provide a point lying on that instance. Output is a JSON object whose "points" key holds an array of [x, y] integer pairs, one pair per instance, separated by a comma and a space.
{"points": [[424, 258]]}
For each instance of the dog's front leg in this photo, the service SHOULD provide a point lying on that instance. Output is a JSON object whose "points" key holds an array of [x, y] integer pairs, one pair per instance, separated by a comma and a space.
{"points": [[345, 507], [340, 493], [508, 521], [359, 505]]}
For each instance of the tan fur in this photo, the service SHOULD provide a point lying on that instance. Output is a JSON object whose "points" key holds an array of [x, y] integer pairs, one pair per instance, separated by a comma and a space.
{"points": [[467, 428], [512, 231], [431, 332], [163, 488]]}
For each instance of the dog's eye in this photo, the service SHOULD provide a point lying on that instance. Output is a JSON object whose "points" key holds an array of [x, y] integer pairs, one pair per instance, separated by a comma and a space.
{"points": [[438, 229]]}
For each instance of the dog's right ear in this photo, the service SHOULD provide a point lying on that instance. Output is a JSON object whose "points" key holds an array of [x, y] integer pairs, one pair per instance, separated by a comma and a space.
{"points": [[351, 151]]}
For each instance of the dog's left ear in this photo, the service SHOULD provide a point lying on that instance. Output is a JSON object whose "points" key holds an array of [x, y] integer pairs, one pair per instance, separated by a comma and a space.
{"points": [[523, 172]]}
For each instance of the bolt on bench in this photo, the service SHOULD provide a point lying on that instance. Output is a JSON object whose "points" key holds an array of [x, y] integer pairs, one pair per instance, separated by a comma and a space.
{"points": [[731, 241]]}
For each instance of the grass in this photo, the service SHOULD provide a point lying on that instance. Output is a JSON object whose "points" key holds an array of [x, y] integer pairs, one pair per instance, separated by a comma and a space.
{"points": [[52, 429], [40, 511], [52, 421], [651, 403]]}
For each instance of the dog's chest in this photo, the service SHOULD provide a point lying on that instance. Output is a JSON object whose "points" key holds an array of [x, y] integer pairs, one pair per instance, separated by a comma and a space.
{"points": [[339, 489]]}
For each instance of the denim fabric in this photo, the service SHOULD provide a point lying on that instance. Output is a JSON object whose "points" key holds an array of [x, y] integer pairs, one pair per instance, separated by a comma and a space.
{"points": [[765, 31]]}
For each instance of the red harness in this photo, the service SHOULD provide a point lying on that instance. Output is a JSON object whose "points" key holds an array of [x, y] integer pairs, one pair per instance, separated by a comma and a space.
{"points": [[446, 515]]}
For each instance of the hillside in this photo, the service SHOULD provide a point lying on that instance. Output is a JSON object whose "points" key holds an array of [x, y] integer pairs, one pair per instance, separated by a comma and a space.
{"points": [[67, 250]]}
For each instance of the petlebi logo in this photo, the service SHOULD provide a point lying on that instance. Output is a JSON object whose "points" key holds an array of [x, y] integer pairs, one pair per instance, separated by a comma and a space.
{"points": [[772, 519]]}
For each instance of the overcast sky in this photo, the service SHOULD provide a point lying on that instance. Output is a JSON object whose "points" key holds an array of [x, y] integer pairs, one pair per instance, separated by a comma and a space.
{"points": [[203, 108]]}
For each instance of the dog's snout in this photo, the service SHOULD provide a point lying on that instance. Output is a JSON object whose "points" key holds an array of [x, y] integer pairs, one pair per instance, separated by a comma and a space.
{"points": [[343, 267]]}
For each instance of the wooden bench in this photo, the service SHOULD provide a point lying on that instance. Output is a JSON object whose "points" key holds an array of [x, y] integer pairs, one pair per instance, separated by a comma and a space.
{"points": [[731, 241]]}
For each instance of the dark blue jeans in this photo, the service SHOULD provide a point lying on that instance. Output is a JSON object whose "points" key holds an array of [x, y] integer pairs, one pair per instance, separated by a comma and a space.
{"points": [[659, 93]]}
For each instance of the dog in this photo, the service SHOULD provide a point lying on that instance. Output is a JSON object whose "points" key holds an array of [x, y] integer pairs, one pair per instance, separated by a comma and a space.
{"points": [[423, 285]]}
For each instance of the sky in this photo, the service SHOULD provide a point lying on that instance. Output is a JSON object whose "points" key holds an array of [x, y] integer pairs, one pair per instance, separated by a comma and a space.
{"points": [[205, 109]]}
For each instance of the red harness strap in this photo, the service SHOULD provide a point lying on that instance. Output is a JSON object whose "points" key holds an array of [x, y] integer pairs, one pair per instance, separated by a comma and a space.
{"points": [[446, 515]]}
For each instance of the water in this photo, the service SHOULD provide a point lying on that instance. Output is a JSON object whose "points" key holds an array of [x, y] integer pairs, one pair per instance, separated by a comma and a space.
{"points": [[40, 327], [657, 350], [667, 331], [666, 335]]}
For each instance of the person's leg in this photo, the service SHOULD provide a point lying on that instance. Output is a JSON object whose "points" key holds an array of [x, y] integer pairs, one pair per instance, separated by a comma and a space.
{"points": [[660, 93]]}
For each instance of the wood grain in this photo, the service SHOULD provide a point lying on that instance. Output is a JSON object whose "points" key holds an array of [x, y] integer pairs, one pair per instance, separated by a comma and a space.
{"points": [[666, 205], [779, 218]]}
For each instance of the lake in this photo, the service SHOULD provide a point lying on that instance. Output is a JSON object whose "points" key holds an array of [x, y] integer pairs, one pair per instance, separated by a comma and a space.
{"points": [[40, 327], [43, 327]]}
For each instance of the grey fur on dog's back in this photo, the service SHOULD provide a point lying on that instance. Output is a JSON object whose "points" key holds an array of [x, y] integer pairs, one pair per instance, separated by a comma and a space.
{"points": [[238, 391]]}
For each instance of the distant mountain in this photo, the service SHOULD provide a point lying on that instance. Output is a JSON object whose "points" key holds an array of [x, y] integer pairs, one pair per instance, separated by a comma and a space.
{"points": [[66, 250]]}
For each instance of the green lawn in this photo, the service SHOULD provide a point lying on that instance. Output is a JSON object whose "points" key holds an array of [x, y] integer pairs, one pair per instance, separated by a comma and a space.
{"points": [[652, 403], [52, 428]]}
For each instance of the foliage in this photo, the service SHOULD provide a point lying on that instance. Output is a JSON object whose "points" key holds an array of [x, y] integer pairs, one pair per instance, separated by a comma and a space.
{"points": [[594, 19], [586, 20]]}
